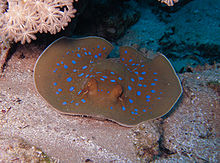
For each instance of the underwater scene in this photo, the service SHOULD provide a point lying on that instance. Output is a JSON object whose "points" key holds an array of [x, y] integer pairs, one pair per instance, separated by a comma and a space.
{"points": [[109, 81]]}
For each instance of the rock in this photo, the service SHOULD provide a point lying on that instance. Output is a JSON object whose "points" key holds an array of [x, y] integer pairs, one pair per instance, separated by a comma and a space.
{"points": [[192, 130], [14, 149], [109, 19]]}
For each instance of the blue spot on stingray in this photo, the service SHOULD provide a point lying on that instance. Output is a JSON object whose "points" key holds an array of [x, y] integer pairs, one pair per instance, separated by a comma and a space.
{"points": [[57, 93], [132, 79], [74, 62], [145, 85], [148, 100], [153, 91], [132, 112], [138, 93], [130, 60], [111, 107], [65, 66], [108, 92], [102, 79], [136, 72], [105, 77], [155, 79], [136, 113], [83, 100], [113, 80], [149, 108], [123, 108], [90, 53], [126, 51], [78, 55], [72, 51], [85, 53], [98, 46], [161, 92], [133, 64], [58, 64], [140, 85], [76, 104], [59, 89], [143, 73], [98, 72], [148, 96], [54, 84], [131, 101], [119, 78], [123, 59], [84, 67], [91, 61], [80, 74], [135, 109], [87, 76], [100, 54], [72, 101], [55, 70], [61, 62], [72, 88], [141, 78], [144, 110], [64, 103], [155, 73], [84, 48], [142, 65], [67, 53], [112, 73], [153, 84], [95, 56], [74, 70], [158, 98], [104, 48], [69, 79], [79, 92], [129, 88]]}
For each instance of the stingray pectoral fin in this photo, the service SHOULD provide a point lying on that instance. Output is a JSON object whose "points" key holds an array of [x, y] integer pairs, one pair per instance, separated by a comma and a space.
{"points": [[168, 83], [131, 56]]}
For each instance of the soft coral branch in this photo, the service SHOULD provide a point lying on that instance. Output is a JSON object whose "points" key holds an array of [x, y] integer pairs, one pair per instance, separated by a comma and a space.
{"points": [[24, 18], [169, 2]]}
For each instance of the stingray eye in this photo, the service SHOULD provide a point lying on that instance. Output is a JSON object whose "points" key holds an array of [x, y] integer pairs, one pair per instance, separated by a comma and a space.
{"points": [[116, 91], [92, 86], [89, 84]]}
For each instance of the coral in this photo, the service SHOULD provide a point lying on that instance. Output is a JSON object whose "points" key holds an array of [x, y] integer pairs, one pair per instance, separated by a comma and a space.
{"points": [[21, 19], [169, 2]]}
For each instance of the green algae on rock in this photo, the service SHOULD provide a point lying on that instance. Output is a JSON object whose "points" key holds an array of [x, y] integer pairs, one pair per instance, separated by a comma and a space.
{"points": [[75, 77]]}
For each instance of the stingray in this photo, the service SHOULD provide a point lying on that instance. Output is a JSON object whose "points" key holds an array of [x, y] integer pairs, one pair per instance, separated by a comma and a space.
{"points": [[76, 78]]}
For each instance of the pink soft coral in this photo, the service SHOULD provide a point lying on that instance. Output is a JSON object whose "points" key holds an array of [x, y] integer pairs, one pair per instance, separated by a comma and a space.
{"points": [[24, 18], [169, 2]]}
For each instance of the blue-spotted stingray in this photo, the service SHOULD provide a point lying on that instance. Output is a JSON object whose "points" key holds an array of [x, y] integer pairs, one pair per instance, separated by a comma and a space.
{"points": [[75, 77]]}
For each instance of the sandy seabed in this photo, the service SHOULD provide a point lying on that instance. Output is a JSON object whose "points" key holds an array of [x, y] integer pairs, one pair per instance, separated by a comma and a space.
{"points": [[31, 130]]}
